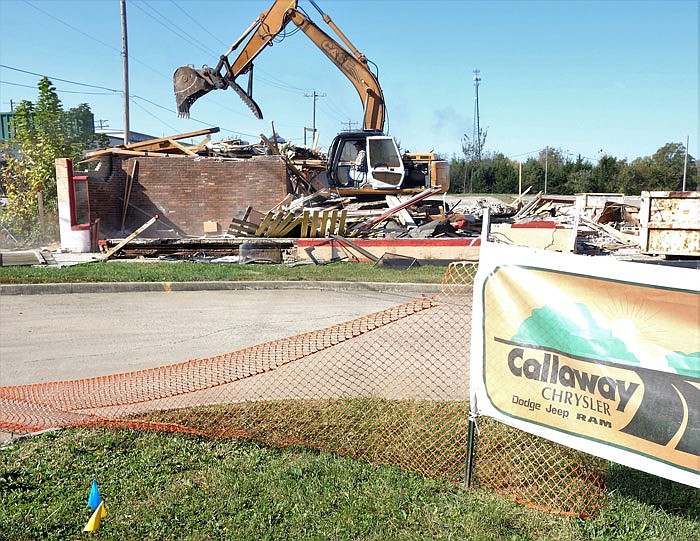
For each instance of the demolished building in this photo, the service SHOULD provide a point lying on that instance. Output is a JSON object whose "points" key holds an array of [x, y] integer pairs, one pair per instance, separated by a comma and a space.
{"points": [[163, 198]]}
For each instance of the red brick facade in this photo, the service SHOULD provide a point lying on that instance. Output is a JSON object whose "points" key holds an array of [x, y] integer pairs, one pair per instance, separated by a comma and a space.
{"points": [[184, 192]]}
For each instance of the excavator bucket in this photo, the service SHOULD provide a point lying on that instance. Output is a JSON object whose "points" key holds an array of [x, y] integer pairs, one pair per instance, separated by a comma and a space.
{"points": [[189, 85]]}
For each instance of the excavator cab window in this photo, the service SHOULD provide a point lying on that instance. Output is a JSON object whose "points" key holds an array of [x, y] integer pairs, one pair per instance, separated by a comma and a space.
{"points": [[351, 170], [385, 167]]}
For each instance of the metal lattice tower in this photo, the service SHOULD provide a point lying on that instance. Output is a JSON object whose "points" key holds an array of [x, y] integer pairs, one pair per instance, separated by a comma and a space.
{"points": [[476, 134]]}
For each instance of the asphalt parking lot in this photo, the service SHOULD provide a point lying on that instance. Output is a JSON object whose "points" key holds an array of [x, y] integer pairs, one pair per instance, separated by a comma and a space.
{"points": [[50, 337]]}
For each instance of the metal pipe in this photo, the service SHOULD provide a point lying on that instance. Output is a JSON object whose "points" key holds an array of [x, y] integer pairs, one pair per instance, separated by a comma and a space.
{"points": [[470, 452], [236, 43], [337, 31]]}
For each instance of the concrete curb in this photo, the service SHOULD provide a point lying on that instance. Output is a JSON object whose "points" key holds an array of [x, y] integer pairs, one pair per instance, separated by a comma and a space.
{"points": [[122, 287]]}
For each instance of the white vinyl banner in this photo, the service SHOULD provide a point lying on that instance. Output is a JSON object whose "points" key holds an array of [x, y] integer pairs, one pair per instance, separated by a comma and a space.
{"points": [[596, 354]]}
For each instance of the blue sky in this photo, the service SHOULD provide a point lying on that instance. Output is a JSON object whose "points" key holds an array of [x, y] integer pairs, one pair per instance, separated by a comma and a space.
{"points": [[588, 77]]}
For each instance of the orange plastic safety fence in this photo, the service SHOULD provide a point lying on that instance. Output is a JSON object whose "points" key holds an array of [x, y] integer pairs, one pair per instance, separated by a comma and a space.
{"points": [[537, 472], [389, 388]]}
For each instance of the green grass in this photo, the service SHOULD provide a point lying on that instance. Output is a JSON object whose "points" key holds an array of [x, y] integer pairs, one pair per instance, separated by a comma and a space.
{"points": [[167, 486], [121, 271], [424, 436]]}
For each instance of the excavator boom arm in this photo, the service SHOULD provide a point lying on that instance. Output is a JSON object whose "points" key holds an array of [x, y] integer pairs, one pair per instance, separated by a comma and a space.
{"points": [[191, 84], [354, 68], [267, 27]]}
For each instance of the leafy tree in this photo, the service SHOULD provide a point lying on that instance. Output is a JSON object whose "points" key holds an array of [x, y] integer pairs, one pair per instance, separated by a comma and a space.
{"points": [[493, 174], [552, 161], [533, 175], [607, 173], [577, 176], [640, 174], [458, 175], [41, 135], [80, 129], [661, 171], [582, 181], [505, 175], [472, 149], [668, 162]]}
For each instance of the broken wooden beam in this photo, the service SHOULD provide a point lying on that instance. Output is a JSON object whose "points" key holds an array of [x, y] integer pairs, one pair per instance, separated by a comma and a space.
{"points": [[126, 241], [150, 143], [393, 210], [295, 173], [347, 242], [127, 191]]}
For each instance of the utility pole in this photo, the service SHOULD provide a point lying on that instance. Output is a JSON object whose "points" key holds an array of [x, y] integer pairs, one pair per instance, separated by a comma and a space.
{"points": [[685, 162], [125, 70], [306, 130], [520, 179], [348, 125], [476, 134], [12, 106], [546, 154], [315, 95]]}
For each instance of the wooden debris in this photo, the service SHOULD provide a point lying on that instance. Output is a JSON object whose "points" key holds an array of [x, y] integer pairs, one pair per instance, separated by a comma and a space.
{"points": [[323, 223], [295, 173], [403, 215], [412, 201], [127, 190], [154, 147], [347, 242], [126, 241], [242, 227], [625, 240]]}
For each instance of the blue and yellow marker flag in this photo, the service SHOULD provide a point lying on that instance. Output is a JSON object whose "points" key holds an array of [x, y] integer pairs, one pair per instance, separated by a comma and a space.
{"points": [[94, 522], [97, 505], [94, 499]]}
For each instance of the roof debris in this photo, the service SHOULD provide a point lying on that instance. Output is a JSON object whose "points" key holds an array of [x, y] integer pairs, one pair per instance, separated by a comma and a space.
{"points": [[588, 223]]}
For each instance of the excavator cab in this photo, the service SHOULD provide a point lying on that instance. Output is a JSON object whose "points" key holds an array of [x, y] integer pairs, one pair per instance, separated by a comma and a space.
{"points": [[358, 159]]}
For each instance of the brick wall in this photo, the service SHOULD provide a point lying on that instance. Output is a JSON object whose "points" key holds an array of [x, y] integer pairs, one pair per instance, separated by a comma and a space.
{"points": [[185, 192]]}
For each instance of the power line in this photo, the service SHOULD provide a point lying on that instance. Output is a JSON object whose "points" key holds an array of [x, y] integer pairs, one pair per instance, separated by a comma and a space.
{"points": [[59, 89], [266, 78], [166, 23], [341, 113], [116, 49], [349, 124], [59, 79], [154, 116], [132, 97], [74, 28], [525, 153], [186, 13]]}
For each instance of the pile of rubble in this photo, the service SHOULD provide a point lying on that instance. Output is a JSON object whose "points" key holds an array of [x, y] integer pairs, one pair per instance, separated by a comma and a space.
{"points": [[594, 224], [323, 214]]}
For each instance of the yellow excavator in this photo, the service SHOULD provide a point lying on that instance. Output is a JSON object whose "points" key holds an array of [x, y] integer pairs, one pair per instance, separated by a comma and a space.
{"points": [[357, 160]]}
